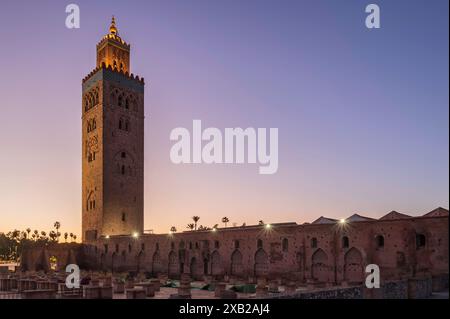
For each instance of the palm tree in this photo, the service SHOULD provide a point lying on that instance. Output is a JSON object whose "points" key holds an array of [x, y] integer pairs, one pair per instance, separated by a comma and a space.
{"points": [[190, 226], [261, 223], [57, 225], [36, 233], [75, 238], [195, 219], [52, 235], [15, 234], [71, 236], [28, 232], [173, 229], [225, 220], [65, 236]]}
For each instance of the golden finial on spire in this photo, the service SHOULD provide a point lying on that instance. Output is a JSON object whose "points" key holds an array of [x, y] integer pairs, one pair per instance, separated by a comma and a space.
{"points": [[113, 28]]}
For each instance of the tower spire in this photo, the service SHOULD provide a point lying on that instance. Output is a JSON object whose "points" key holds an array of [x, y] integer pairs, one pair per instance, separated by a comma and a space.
{"points": [[113, 28]]}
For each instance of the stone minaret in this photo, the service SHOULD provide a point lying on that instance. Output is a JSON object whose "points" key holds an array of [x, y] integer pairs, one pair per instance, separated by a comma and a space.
{"points": [[113, 143]]}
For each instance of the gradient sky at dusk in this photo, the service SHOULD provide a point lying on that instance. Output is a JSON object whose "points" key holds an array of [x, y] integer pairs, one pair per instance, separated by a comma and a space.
{"points": [[362, 114]]}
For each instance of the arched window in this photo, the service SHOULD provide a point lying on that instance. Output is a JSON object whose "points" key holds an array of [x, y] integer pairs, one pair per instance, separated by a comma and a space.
{"points": [[345, 242], [127, 103], [285, 244], [259, 244], [216, 244], [190, 245], [379, 241], [120, 102], [120, 124], [142, 247], [129, 248], [96, 98], [420, 241], [117, 248], [172, 245], [127, 125], [124, 217], [123, 155], [236, 244], [157, 246], [106, 248], [314, 242], [123, 169]]}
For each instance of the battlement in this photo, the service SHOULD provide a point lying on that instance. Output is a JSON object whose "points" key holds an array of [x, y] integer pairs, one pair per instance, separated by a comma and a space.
{"points": [[109, 68]]}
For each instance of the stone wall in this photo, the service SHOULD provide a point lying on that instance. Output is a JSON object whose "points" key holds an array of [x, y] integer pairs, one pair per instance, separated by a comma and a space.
{"points": [[302, 253], [310, 252]]}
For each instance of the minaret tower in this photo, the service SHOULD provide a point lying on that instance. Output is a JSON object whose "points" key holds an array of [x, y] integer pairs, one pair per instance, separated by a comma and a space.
{"points": [[113, 143]]}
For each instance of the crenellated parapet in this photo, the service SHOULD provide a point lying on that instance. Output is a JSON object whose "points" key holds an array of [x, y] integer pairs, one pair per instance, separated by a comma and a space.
{"points": [[109, 68]]}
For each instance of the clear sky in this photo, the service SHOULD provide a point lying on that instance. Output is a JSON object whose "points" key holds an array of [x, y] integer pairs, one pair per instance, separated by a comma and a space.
{"points": [[362, 114]]}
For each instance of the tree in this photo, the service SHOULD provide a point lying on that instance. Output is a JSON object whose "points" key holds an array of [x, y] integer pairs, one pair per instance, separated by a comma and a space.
{"points": [[173, 229], [195, 219], [261, 223], [28, 232], [225, 220], [75, 238], [52, 235], [65, 236], [15, 235], [7, 247], [190, 226], [57, 225]]}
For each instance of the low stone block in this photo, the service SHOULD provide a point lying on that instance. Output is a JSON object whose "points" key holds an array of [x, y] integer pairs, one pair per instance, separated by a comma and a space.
{"points": [[148, 287], [119, 287], [228, 294], [38, 294], [219, 288], [156, 283], [90, 292], [135, 293]]}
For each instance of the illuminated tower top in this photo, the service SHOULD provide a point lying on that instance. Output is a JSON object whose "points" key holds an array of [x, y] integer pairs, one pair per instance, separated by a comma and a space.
{"points": [[113, 51]]}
